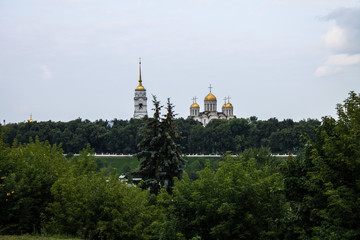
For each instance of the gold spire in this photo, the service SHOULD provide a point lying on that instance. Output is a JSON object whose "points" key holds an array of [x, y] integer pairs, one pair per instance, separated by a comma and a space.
{"points": [[140, 87]]}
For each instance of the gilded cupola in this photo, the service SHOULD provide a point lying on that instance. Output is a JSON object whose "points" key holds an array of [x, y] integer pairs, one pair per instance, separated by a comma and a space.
{"points": [[30, 120], [194, 108], [194, 105], [229, 105], [210, 96]]}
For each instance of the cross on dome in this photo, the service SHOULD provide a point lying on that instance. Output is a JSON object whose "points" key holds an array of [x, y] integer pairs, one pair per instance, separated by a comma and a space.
{"points": [[228, 98]]}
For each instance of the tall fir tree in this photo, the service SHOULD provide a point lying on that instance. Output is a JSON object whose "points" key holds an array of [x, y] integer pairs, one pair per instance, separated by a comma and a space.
{"points": [[159, 152], [174, 164]]}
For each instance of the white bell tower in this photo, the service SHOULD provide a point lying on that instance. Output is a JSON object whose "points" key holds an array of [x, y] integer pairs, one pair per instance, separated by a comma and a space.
{"points": [[140, 99]]}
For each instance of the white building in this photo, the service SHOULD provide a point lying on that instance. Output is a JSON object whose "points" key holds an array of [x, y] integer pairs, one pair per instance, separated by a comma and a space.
{"points": [[140, 99], [210, 110]]}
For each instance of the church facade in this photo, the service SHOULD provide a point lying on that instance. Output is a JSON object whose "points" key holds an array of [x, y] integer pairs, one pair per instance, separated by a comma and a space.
{"points": [[140, 99], [210, 110]]}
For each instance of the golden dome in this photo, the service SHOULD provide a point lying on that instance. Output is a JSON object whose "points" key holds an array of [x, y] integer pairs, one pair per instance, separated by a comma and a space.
{"points": [[30, 120], [140, 87], [194, 105], [210, 97], [229, 105]]}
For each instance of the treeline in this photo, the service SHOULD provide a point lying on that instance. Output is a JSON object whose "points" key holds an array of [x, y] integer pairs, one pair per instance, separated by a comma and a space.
{"points": [[121, 136], [252, 196]]}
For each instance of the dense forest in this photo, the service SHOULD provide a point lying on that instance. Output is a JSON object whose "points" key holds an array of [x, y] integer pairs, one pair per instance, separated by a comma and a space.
{"points": [[121, 136], [251, 196]]}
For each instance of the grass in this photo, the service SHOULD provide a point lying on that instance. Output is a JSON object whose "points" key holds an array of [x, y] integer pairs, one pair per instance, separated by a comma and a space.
{"points": [[31, 237], [129, 164], [122, 164]]}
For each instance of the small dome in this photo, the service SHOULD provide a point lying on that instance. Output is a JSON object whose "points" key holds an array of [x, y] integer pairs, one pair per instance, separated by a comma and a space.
{"points": [[194, 105], [30, 120], [229, 105], [210, 97], [140, 87]]}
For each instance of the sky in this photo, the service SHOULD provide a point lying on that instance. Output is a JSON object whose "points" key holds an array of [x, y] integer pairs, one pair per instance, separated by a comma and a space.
{"points": [[66, 59]]}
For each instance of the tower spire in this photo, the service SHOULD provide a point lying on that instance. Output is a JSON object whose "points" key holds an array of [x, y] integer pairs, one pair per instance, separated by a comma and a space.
{"points": [[140, 81], [140, 87]]}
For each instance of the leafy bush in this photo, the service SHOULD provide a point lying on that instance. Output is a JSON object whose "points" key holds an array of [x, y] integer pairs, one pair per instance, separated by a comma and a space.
{"points": [[27, 174], [238, 201], [96, 206]]}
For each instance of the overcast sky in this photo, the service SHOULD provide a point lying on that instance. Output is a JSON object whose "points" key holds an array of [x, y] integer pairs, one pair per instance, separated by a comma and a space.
{"points": [[65, 59]]}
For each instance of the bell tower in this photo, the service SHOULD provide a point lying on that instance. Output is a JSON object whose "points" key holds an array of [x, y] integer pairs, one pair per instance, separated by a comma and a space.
{"points": [[140, 99]]}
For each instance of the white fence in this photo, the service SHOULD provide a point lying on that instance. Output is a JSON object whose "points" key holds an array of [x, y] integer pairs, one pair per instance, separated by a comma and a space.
{"points": [[187, 155]]}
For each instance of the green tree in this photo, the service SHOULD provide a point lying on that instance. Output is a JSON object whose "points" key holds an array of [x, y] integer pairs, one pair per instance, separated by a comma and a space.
{"points": [[238, 201], [324, 188], [94, 205], [160, 154], [27, 174]]}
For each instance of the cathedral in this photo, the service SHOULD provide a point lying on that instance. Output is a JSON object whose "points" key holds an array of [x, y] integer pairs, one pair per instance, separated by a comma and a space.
{"points": [[210, 105], [210, 109]]}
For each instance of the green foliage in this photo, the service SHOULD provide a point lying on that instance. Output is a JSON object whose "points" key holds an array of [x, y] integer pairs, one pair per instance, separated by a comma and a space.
{"points": [[121, 164], [34, 237], [121, 136], [196, 164], [43, 191], [324, 188], [238, 201], [27, 173], [252, 196], [160, 154], [98, 207]]}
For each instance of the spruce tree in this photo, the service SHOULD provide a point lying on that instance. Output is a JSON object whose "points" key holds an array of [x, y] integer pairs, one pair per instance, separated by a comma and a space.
{"points": [[173, 162], [160, 154]]}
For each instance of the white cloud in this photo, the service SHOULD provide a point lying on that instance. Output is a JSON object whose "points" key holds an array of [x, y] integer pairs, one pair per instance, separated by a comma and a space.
{"points": [[343, 40], [335, 38], [46, 74], [336, 63], [343, 60], [345, 37]]}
